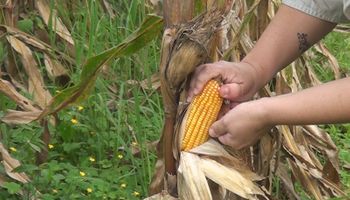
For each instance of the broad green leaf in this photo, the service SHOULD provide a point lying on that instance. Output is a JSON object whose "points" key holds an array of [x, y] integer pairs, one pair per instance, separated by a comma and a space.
{"points": [[149, 30], [12, 187], [25, 25]]}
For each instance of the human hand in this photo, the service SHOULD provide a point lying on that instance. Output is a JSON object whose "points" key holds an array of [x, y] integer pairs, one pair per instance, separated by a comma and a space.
{"points": [[243, 125], [240, 80]]}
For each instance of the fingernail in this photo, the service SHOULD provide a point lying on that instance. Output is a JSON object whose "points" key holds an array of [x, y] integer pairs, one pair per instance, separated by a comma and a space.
{"points": [[212, 132], [224, 92], [195, 91]]}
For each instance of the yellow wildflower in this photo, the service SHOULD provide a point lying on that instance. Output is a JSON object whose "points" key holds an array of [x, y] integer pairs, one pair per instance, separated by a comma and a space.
{"points": [[80, 108], [50, 146], [82, 173], [120, 156], [134, 144], [136, 194], [74, 121], [13, 149], [54, 191], [123, 185], [89, 190], [92, 159]]}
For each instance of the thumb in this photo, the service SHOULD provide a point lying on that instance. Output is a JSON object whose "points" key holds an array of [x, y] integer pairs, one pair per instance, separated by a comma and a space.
{"points": [[230, 91], [217, 129]]}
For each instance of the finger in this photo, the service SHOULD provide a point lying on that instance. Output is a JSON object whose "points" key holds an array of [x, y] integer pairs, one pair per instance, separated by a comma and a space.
{"points": [[218, 128], [230, 91], [226, 139], [230, 140], [201, 76]]}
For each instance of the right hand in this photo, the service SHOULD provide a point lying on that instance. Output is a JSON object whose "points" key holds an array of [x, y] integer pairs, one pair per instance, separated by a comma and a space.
{"points": [[240, 80]]}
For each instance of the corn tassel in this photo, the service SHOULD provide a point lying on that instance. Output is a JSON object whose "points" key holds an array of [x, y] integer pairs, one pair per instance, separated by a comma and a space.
{"points": [[203, 111]]}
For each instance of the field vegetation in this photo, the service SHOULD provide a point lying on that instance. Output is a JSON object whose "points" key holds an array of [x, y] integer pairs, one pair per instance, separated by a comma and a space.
{"points": [[102, 147]]}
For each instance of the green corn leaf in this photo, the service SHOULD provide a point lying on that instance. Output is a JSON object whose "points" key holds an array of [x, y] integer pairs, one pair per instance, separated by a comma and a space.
{"points": [[149, 30]]}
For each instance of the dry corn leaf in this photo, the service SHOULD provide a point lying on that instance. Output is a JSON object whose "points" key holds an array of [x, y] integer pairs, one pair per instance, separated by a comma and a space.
{"points": [[191, 179], [36, 84], [164, 195], [230, 179], [35, 42], [310, 184], [323, 142], [214, 150], [54, 68], [48, 15], [155, 6], [12, 93], [150, 83], [107, 6], [282, 173], [10, 164], [20, 117]]}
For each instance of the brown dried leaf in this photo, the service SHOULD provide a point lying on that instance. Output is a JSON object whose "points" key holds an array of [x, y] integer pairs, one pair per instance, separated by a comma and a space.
{"points": [[230, 179], [156, 6], [20, 117], [20, 100], [288, 184], [298, 171], [157, 183], [10, 164], [107, 6], [164, 195], [35, 80], [57, 24], [150, 83], [54, 67], [34, 42], [192, 183], [323, 142]]}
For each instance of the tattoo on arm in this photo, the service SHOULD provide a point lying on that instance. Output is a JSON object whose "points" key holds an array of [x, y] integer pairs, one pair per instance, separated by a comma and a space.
{"points": [[303, 43]]}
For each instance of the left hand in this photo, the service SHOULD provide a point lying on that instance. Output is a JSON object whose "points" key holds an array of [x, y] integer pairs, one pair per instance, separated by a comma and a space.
{"points": [[243, 125]]}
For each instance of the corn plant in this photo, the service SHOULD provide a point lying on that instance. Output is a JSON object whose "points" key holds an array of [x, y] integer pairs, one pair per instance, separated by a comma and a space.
{"points": [[198, 32]]}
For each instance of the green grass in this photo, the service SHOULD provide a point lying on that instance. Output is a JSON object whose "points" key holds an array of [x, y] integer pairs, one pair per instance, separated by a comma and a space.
{"points": [[94, 158], [339, 46]]}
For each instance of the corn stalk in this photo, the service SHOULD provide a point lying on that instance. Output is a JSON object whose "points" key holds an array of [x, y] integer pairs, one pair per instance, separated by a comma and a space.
{"points": [[227, 30]]}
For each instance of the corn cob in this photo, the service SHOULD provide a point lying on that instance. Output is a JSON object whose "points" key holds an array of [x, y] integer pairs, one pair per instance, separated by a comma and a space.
{"points": [[203, 111]]}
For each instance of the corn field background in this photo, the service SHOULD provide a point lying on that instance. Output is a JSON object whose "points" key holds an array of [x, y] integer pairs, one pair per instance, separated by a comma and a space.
{"points": [[80, 102]]}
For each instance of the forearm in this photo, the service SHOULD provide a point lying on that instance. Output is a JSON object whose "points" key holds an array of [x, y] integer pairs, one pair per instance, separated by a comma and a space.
{"points": [[323, 104], [288, 35]]}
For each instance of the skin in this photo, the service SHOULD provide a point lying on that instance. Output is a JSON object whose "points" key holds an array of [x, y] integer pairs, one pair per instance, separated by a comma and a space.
{"points": [[278, 46]]}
